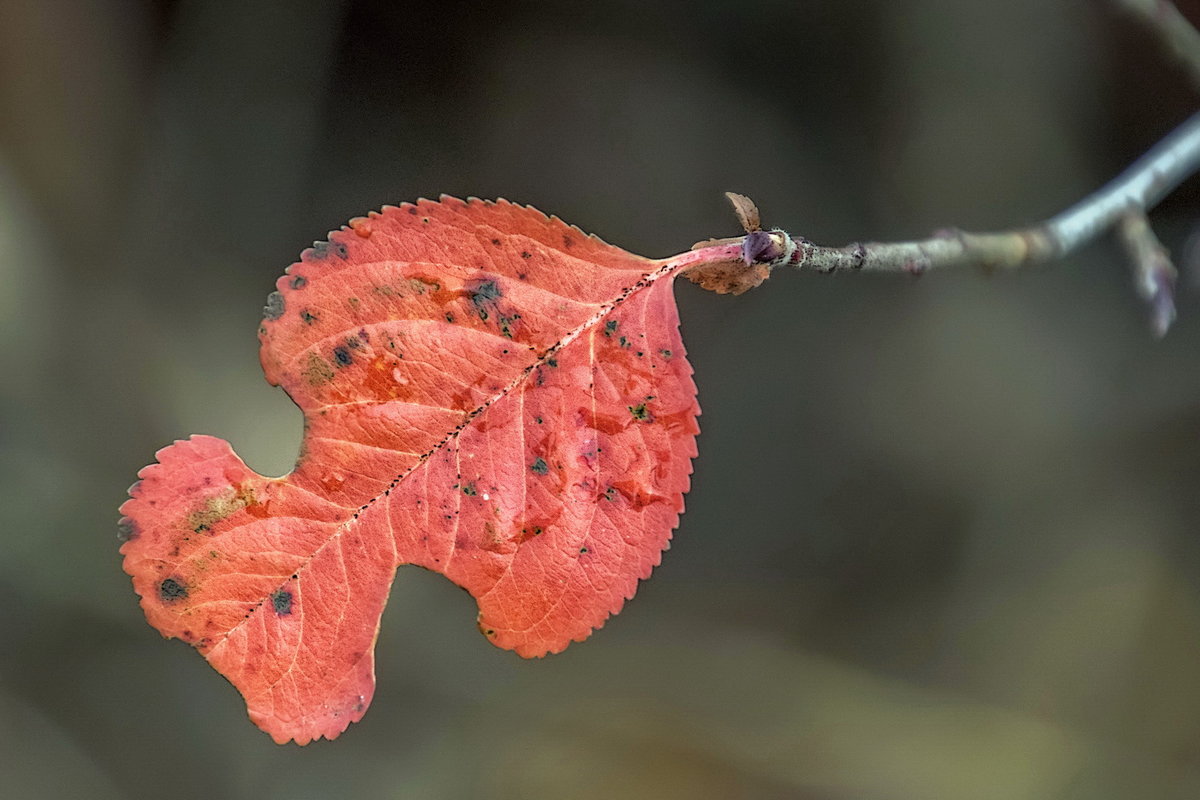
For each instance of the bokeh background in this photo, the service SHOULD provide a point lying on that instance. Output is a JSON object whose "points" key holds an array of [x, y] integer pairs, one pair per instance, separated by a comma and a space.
{"points": [[942, 540]]}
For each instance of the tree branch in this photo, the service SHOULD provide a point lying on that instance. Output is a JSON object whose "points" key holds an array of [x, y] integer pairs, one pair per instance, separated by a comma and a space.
{"points": [[1122, 202], [1137, 189], [1154, 275]]}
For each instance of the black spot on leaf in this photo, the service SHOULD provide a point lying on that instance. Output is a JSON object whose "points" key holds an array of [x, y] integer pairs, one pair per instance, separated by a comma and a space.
{"points": [[126, 529], [172, 590], [322, 250], [483, 296], [641, 413], [342, 357], [274, 307], [506, 325], [281, 601]]}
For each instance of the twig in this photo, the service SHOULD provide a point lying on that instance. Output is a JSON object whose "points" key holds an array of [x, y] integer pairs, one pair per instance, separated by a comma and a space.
{"points": [[1138, 188], [1154, 275], [1124, 201], [1172, 27]]}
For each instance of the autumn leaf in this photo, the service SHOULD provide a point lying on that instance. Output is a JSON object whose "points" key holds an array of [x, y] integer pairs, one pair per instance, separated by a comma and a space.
{"points": [[488, 393]]}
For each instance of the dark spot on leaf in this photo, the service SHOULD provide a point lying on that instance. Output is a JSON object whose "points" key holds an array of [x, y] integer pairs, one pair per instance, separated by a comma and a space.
{"points": [[496, 242], [526, 254], [342, 356], [665, 353], [469, 490], [422, 285], [412, 210], [317, 370], [299, 281], [281, 601], [126, 529], [624, 342], [274, 307], [641, 413], [552, 362], [484, 292], [506, 323], [308, 317], [583, 550], [610, 327], [449, 317], [325, 249], [172, 590], [540, 467], [567, 240], [353, 342]]}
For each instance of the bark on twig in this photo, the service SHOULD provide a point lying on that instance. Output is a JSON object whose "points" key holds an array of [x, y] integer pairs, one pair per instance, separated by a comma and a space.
{"points": [[1122, 203], [1138, 188], [1154, 276]]}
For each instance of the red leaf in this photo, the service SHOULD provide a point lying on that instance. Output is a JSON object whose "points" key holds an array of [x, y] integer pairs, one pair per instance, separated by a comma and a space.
{"points": [[488, 393]]}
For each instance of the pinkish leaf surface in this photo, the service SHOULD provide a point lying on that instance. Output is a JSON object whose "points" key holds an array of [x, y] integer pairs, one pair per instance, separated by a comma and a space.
{"points": [[488, 393]]}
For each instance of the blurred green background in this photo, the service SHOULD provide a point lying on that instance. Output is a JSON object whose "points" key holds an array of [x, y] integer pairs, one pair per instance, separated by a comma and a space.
{"points": [[942, 540]]}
